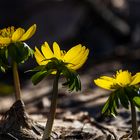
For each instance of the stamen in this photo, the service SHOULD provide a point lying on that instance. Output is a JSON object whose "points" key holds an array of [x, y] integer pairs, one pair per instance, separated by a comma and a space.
{"points": [[7, 32]]}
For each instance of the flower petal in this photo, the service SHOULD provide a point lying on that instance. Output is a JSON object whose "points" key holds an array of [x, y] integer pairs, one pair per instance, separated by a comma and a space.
{"points": [[78, 58], [123, 78], [47, 52], [105, 82], [72, 53], [56, 50], [29, 33], [136, 79], [39, 57], [18, 34], [5, 40], [79, 62]]}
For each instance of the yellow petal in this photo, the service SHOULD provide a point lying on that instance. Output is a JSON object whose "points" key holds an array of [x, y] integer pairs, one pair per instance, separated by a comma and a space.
{"points": [[108, 78], [136, 79], [39, 57], [105, 82], [18, 34], [5, 40], [123, 78], [56, 50], [80, 56], [47, 52], [80, 61], [29, 33], [72, 53]]}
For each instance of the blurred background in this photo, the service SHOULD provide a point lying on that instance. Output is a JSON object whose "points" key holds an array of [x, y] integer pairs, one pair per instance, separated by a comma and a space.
{"points": [[109, 28]]}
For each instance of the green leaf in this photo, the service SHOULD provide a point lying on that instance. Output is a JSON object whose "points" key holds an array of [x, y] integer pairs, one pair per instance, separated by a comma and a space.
{"points": [[38, 68], [131, 92], [117, 101], [137, 101], [19, 52], [77, 83], [72, 79], [3, 60], [123, 98], [111, 104], [106, 106], [3, 57], [36, 78]]}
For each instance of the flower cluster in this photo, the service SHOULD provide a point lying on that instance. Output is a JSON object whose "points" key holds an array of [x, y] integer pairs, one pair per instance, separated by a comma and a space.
{"points": [[74, 58], [12, 35], [13, 47], [124, 87], [120, 80]]}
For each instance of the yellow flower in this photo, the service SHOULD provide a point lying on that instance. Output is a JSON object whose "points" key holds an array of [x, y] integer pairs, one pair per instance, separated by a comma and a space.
{"points": [[12, 35], [121, 79], [75, 57]]}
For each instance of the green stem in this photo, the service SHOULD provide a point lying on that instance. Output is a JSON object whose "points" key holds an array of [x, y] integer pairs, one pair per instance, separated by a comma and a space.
{"points": [[134, 122], [49, 124], [16, 82]]}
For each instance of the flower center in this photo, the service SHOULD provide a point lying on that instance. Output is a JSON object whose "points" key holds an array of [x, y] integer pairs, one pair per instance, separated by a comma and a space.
{"points": [[7, 32]]}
